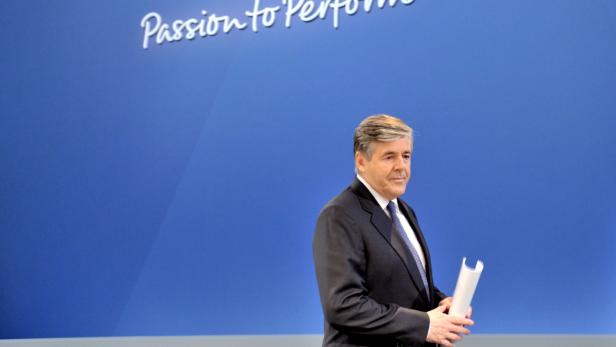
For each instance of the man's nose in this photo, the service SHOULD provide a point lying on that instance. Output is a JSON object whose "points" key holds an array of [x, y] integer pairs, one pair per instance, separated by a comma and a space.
{"points": [[399, 162]]}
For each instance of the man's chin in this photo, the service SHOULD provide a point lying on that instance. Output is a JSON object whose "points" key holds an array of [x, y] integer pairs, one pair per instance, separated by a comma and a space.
{"points": [[398, 191]]}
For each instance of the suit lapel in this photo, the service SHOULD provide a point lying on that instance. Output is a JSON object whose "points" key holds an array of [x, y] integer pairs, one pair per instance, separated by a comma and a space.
{"points": [[405, 254], [385, 227], [410, 216]]}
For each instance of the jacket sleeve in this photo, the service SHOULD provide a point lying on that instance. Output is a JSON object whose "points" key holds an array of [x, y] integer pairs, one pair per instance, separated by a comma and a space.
{"points": [[439, 295], [340, 261]]}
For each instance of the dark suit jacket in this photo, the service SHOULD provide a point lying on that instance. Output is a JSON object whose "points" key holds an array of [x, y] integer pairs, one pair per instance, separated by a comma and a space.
{"points": [[370, 287]]}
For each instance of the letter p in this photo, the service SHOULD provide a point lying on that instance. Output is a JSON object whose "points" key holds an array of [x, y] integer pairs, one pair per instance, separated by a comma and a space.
{"points": [[149, 30]]}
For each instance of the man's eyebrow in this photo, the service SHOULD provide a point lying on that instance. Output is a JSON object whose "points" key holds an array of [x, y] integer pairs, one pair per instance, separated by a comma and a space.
{"points": [[394, 152]]}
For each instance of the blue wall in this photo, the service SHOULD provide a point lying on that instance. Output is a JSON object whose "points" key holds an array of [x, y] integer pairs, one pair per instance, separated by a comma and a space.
{"points": [[174, 190]]}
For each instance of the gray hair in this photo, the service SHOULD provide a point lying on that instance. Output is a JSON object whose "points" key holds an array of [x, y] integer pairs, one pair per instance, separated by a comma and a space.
{"points": [[380, 127]]}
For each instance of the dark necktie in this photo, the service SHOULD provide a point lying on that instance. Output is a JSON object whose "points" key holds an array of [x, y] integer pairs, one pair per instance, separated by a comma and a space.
{"points": [[391, 207]]}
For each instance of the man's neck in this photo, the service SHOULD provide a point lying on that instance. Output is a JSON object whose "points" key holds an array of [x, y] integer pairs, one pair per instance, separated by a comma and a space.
{"points": [[378, 197]]}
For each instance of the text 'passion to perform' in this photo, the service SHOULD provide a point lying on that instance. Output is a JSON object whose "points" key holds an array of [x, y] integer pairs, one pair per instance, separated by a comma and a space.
{"points": [[258, 17]]}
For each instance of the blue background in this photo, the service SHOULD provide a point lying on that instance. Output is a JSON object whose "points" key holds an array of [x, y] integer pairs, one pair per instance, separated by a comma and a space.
{"points": [[174, 190]]}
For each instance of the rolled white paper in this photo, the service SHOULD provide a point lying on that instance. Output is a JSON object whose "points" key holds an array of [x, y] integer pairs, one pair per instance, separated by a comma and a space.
{"points": [[465, 288]]}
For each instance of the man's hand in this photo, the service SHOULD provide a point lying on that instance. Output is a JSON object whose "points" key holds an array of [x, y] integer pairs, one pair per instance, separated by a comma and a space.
{"points": [[444, 329], [447, 304]]}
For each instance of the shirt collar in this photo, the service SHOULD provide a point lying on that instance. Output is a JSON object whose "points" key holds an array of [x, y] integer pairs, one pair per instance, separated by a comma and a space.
{"points": [[379, 199]]}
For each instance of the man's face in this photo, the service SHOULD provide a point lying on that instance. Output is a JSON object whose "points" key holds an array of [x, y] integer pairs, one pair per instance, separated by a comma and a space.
{"points": [[389, 169]]}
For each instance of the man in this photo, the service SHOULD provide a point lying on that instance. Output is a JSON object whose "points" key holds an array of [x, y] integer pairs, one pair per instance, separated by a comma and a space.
{"points": [[371, 259]]}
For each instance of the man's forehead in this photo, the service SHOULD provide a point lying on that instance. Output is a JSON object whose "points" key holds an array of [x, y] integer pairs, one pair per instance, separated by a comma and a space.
{"points": [[403, 144]]}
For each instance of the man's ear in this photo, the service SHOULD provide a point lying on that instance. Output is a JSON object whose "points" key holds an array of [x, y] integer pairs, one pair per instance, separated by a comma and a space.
{"points": [[360, 162]]}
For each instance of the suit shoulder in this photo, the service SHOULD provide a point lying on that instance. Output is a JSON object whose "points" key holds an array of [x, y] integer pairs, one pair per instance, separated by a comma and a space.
{"points": [[340, 219], [345, 201]]}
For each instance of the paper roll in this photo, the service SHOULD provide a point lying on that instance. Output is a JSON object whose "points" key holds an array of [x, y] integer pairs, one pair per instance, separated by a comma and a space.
{"points": [[465, 288]]}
